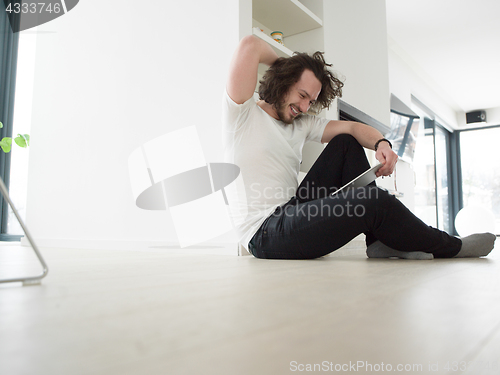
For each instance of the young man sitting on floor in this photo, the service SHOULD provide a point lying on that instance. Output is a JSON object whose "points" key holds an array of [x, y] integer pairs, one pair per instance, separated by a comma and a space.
{"points": [[276, 217]]}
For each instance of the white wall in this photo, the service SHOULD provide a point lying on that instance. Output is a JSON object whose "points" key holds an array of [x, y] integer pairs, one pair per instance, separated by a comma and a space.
{"points": [[406, 78], [111, 75], [356, 43]]}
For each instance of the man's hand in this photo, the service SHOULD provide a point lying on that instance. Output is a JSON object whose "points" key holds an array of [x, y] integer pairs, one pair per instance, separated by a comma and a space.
{"points": [[387, 157]]}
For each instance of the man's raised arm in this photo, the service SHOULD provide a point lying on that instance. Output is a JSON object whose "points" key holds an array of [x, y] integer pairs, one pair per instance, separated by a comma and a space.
{"points": [[244, 66]]}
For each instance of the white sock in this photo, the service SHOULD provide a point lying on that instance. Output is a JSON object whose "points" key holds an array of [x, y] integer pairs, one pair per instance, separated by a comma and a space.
{"points": [[477, 245], [379, 250]]}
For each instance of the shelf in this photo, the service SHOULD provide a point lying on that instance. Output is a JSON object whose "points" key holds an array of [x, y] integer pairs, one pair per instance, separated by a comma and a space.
{"points": [[280, 49], [288, 16]]}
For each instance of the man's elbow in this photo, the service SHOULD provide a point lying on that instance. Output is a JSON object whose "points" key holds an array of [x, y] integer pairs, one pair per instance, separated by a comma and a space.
{"points": [[248, 42]]}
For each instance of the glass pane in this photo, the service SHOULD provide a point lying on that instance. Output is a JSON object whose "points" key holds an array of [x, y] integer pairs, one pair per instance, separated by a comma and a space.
{"points": [[425, 191], [22, 122], [481, 170], [403, 135], [443, 197], [425, 174]]}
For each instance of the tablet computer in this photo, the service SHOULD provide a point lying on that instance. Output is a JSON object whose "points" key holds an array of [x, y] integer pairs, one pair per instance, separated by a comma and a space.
{"points": [[363, 179]]}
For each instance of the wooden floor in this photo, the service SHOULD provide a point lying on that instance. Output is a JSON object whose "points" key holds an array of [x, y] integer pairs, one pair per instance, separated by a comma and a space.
{"points": [[126, 312]]}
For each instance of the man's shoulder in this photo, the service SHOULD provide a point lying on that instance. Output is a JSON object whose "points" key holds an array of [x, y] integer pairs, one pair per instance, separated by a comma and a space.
{"points": [[232, 104], [314, 125], [235, 116]]}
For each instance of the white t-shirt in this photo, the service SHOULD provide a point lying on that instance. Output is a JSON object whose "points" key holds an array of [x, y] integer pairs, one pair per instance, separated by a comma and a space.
{"points": [[268, 153]]}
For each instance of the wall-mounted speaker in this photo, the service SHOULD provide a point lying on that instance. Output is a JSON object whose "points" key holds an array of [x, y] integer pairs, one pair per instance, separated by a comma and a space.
{"points": [[475, 116]]}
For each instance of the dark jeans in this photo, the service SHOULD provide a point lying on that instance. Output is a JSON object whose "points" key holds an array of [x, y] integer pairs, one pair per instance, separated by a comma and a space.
{"points": [[315, 223]]}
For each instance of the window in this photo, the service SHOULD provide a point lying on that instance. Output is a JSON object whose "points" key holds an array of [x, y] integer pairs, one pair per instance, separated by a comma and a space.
{"points": [[16, 86], [442, 168], [425, 174], [22, 120], [433, 173]]}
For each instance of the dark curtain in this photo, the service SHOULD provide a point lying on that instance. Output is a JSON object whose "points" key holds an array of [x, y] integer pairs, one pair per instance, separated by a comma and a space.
{"points": [[9, 42]]}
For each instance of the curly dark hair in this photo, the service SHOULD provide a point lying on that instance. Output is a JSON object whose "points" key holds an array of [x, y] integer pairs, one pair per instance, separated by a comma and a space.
{"points": [[285, 72]]}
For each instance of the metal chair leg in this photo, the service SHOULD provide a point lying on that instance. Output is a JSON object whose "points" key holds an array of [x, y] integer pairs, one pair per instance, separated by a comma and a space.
{"points": [[27, 280]]}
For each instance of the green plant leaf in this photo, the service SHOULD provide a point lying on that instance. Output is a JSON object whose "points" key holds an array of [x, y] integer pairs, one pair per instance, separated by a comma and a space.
{"points": [[1, 125], [21, 141], [6, 143]]}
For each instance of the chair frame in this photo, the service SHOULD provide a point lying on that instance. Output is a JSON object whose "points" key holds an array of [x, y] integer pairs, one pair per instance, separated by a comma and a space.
{"points": [[26, 280]]}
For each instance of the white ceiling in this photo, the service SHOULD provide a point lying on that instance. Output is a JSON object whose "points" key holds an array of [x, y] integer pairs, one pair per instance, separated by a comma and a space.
{"points": [[456, 43]]}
